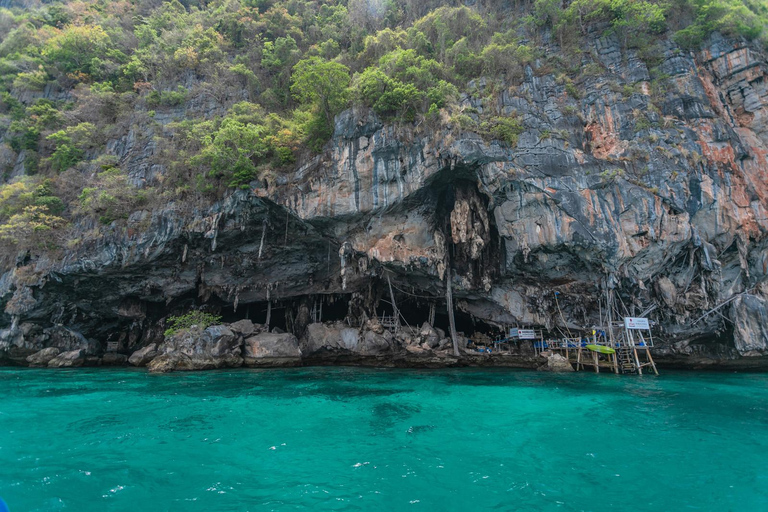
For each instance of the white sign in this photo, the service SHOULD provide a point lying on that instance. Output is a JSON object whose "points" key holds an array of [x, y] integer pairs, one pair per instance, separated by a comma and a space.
{"points": [[526, 334], [636, 323]]}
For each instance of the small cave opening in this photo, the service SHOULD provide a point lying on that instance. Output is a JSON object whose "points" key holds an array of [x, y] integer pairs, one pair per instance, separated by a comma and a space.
{"points": [[416, 312], [469, 324], [283, 313]]}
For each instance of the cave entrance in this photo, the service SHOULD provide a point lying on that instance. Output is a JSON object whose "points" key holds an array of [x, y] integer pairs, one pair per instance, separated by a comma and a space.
{"points": [[415, 312], [325, 308]]}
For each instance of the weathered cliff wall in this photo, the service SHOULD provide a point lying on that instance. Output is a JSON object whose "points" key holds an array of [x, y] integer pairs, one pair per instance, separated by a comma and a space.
{"points": [[659, 195]]}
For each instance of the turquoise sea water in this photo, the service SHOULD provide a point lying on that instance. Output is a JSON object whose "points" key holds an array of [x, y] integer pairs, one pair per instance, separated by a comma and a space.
{"points": [[365, 439]]}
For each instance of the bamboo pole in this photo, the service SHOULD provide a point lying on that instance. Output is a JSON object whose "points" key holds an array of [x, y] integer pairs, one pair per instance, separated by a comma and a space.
{"points": [[637, 361], [395, 311], [650, 358], [449, 300]]}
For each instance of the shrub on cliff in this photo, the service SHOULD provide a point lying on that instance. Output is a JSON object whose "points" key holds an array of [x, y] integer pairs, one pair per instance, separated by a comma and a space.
{"points": [[187, 320]]}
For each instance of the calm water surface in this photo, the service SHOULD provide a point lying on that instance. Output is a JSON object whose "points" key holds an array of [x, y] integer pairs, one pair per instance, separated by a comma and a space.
{"points": [[362, 439]]}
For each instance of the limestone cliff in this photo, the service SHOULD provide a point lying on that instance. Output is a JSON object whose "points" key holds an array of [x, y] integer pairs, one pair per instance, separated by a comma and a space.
{"points": [[665, 206]]}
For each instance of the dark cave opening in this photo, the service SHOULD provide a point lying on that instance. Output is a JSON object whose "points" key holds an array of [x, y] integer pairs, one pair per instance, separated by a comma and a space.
{"points": [[415, 312]]}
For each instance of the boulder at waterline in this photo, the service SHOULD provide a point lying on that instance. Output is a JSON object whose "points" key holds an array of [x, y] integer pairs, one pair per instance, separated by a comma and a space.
{"points": [[199, 349], [556, 363], [70, 359], [43, 357], [114, 359], [144, 355], [271, 349]]}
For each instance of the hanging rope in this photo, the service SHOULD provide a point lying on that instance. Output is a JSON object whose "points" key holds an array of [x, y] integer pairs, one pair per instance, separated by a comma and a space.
{"points": [[413, 294], [561, 315]]}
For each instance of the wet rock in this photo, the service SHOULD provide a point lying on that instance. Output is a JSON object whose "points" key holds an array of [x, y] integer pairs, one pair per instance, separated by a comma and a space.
{"points": [[556, 363], [200, 349], [144, 355], [43, 357], [114, 359], [73, 358], [165, 363], [271, 349]]}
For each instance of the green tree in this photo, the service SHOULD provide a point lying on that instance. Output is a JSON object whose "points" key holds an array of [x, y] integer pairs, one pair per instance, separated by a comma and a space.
{"points": [[71, 144], [322, 83], [234, 151], [75, 48]]}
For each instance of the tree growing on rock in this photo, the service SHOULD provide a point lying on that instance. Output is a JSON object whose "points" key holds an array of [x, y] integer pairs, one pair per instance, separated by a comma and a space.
{"points": [[324, 86]]}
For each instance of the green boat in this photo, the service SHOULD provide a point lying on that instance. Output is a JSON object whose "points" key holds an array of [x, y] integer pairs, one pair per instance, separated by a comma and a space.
{"points": [[601, 349]]}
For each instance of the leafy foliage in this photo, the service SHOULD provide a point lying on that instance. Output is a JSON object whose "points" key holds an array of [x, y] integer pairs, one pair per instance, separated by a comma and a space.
{"points": [[187, 320], [215, 95]]}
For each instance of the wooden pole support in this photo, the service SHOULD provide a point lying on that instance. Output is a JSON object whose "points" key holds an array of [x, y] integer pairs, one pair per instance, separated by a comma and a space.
{"points": [[449, 300]]}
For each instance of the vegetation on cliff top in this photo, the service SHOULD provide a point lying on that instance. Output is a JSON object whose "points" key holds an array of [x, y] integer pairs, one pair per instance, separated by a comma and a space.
{"points": [[227, 92]]}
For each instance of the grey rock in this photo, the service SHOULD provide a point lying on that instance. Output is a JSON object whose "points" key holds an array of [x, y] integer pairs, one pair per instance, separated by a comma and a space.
{"points": [[749, 314], [270, 349], [556, 363], [43, 357], [73, 358], [144, 355], [243, 327], [199, 349], [114, 359]]}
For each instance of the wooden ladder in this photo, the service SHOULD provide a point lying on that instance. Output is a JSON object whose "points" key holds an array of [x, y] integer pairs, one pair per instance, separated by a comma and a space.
{"points": [[626, 359]]}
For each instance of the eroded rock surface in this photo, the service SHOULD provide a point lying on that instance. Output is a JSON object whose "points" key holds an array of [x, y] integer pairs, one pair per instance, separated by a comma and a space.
{"points": [[199, 349], [144, 355], [271, 349], [43, 357], [656, 193], [72, 358]]}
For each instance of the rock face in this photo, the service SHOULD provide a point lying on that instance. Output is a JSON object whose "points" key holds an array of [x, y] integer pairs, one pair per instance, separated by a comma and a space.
{"points": [[43, 357], [73, 358], [113, 359], [654, 189], [749, 314], [144, 355], [556, 363], [271, 349], [199, 349]]}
